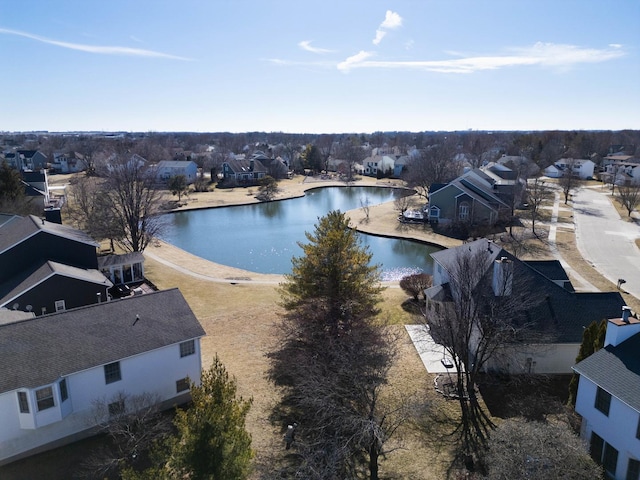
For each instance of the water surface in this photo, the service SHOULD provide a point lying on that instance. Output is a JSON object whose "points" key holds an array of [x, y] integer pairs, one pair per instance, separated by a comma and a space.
{"points": [[263, 237]]}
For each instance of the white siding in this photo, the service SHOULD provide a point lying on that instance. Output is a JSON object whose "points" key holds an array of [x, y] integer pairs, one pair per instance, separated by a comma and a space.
{"points": [[618, 429], [156, 371]]}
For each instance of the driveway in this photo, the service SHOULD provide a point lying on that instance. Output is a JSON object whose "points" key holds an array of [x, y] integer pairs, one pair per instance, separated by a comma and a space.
{"points": [[605, 240]]}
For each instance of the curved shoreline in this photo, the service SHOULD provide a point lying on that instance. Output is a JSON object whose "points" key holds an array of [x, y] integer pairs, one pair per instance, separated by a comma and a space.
{"points": [[382, 221]]}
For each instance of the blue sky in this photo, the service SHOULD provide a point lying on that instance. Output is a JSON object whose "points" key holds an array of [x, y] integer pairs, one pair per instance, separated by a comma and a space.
{"points": [[307, 66]]}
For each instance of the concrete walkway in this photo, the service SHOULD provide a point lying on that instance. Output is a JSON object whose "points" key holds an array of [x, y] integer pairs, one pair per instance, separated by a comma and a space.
{"points": [[430, 352]]}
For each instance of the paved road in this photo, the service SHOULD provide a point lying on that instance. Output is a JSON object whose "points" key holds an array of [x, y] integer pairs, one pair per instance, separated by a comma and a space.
{"points": [[605, 240]]}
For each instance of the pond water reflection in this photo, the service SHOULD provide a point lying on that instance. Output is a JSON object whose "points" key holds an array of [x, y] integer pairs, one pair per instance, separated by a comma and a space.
{"points": [[264, 237]]}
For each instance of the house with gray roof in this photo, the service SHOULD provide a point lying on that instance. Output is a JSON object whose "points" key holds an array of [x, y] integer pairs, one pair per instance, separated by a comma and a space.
{"points": [[608, 399], [471, 198], [54, 367], [243, 171], [172, 168], [556, 315]]}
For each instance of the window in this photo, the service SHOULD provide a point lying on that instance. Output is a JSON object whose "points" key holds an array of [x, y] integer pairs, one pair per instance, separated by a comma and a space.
{"points": [[463, 211], [44, 398], [187, 348], [603, 401], [116, 408], [633, 469], [64, 394], [23, 402], [112, 372], [60, 306], [610, 459], [182, 385], [597, 444]]}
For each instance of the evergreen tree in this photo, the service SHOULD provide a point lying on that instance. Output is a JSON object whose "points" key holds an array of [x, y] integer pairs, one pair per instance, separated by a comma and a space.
{"points": [[312, 158], [592, 341], [334, 358], [178, 186], [11, 187], [212, 442]]}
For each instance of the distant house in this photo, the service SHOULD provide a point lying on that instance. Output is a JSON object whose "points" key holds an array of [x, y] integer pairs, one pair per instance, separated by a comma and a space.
{"points": [[172, 168], [68, 162], [620, 169], [557, 317], [56, 366], [608, 399], [243, 171], [26, 159], [36, 186], [378, 165], [580, 168], [470, 198]]}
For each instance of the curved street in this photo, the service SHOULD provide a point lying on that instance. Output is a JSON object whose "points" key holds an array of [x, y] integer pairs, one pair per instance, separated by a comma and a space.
{"points": [[605, 240]]}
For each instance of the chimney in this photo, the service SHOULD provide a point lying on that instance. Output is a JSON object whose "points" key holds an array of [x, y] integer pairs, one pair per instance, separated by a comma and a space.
{"points": [[502, 277], [251, 165], [620, 329]]}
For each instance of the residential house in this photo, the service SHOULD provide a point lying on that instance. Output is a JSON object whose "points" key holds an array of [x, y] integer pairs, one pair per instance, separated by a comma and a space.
{"points": [[47, 267], [68, 162], [172, 168], [580, 168], [608, 399], [620, 169], [55, 367], [557, 315], [470, 198], [36, 186], [378, 165], [243, 171], [26, 159]]}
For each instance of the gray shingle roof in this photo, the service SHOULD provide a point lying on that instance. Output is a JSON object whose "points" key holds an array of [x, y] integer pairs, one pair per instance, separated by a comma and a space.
{"points": [[21, 228], [21, 283], [38, 351], [616, 370], [560, 313]]}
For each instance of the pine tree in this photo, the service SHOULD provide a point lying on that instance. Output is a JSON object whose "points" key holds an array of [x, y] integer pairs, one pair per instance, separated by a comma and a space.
{"points": [[212, 442], [592, 341]]}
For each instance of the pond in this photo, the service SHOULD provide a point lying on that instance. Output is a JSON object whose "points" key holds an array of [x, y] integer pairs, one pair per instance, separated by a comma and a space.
{"points": [[263, 237]]}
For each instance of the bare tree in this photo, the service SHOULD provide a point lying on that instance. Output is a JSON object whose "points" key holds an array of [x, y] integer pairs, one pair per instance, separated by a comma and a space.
{"points": [[537, 192], [402, 203], [538, 451], [482, 316], [629, 196], [569, 179], [132, 425], [434, 165], [130, 185]]}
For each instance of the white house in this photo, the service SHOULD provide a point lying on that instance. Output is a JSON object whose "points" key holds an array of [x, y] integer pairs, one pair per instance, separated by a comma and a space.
{"points": [[556, 316], [378, 163], [581, 168], [54, 367], [608, 399], [172, 168]]}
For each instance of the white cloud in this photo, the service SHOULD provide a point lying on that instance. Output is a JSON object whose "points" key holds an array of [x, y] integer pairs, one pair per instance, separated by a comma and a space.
{"points": [[355, 61], [126, 51], [306, 45], [391, 20], [542, 54]]}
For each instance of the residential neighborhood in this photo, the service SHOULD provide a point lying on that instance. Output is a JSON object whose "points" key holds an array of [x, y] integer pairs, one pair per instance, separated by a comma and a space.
{"points": [[111, 312]]}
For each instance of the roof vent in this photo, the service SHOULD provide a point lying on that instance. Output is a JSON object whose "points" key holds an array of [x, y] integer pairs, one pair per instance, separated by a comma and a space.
{"points": [[626, 311]]}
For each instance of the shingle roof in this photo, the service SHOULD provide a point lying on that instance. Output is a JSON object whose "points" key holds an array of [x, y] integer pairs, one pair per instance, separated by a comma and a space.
{"points": [[19, 229], [21, 283], [108, 260], [38, 351], [552, 269], [244, 165], [559, 313], [616, 370]]}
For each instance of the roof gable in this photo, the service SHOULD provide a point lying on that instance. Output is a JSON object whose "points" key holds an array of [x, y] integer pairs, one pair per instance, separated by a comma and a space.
{"points": [[616, 370]]}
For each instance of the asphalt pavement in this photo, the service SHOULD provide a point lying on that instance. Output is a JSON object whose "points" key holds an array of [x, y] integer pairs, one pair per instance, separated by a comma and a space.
{"points": [[605, 240]]}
